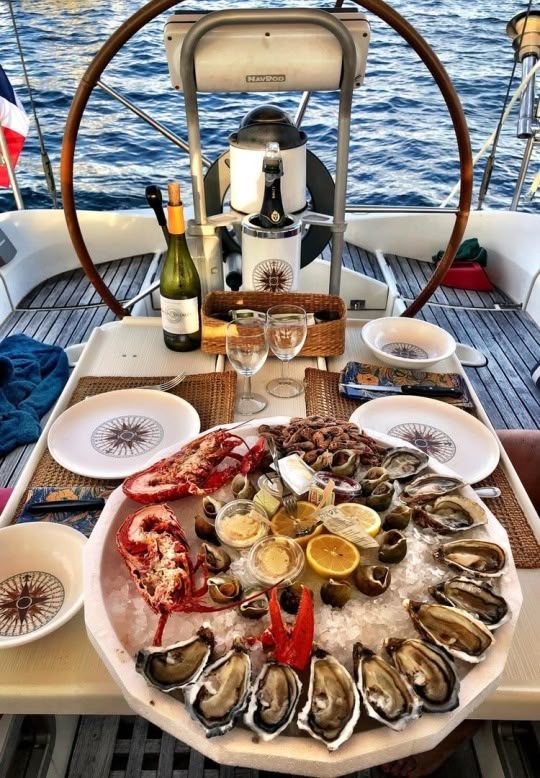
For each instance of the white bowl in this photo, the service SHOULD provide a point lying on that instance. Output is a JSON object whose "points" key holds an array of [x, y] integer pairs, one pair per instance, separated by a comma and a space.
{"points": [[41, 584], [410, 343]]}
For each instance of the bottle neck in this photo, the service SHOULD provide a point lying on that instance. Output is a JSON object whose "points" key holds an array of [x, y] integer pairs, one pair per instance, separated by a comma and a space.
{"points": [[175, 219]]}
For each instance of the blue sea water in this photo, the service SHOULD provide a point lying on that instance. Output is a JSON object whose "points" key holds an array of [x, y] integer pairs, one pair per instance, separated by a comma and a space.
{"points": [[403, 151]]}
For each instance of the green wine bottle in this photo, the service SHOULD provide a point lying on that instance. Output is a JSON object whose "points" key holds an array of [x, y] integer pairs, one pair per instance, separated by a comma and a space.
{"points": [[180, 285]]}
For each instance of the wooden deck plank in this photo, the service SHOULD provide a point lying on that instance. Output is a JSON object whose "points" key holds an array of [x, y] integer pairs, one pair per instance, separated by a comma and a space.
{"points": [[94, 747]]}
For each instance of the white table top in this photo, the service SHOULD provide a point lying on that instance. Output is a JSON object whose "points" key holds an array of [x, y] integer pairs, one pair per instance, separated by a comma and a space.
{"points": [[61, 673]]}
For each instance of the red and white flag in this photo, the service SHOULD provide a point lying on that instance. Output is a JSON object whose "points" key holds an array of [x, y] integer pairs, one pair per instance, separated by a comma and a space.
{"points": [[14, 123]]}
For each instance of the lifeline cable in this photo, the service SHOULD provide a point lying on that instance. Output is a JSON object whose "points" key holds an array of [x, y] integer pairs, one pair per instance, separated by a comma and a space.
{"points": [[490, 164]]}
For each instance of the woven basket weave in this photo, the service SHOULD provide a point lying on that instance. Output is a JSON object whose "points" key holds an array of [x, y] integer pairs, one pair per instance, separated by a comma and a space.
{"points": [[326, 339]]}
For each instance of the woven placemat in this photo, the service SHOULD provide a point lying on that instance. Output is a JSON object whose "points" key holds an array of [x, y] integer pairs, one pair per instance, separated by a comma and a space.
{"points": [[323, 397], [213, 395]]}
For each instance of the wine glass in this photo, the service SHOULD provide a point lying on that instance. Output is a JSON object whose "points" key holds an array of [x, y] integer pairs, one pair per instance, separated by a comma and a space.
{"points": [[286, 330], [247, 349]]}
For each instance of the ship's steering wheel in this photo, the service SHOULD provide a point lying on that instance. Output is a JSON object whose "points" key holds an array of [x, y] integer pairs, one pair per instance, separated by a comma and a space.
{"points": [[155, 7]]}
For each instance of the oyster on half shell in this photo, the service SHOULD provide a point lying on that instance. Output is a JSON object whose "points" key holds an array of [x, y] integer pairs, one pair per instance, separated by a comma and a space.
{"points": [[450, 513], [480, 557], [177, 665], [220, 694], [475, 597], [404, 462], [333, 704], [273, 700], [429, 670], [428, 487], [453, 629], [386, 694]]}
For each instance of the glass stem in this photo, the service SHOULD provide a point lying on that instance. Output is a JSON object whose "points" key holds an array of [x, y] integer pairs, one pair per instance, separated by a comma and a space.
{"points": [[285, 371], [246, 395]]}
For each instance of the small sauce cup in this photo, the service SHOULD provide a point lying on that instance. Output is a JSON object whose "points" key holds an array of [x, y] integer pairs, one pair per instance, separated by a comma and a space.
{"points": [[276, 559], [241, 523]]}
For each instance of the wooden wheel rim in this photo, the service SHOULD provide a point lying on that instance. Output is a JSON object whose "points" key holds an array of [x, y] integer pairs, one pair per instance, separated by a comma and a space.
{"points": [[155, 7]]}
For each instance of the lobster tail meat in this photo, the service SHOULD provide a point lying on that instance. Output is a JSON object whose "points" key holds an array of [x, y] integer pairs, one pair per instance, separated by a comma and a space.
{"points": [[197, 469]]}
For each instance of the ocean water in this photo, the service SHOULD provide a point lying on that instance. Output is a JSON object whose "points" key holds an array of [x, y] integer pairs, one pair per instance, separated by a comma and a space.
{"points": [[403, 150]]}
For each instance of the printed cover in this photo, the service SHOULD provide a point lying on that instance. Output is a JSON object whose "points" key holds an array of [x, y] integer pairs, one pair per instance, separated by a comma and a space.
{"points": [[355, 373], [84, 520]]}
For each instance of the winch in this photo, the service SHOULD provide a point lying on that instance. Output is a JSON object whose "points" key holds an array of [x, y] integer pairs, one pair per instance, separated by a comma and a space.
{"points": [[306, 186], [266, 51]]}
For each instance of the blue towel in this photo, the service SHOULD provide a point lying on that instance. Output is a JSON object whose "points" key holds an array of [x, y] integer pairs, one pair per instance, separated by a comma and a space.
{"points": [[32, 376]]}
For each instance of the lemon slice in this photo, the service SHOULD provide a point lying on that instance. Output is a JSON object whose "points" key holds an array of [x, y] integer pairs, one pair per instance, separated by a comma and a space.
{"points": [[331, 556], [366, 517], [301, 527]]}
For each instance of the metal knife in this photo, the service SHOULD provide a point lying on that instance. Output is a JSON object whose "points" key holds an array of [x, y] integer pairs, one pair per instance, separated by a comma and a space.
{"points": [[420, 390], [71, 506]]}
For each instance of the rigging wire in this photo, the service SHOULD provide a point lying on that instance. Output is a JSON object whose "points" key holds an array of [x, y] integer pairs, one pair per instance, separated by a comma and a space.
{"points": [[478, 156], [45, 161], [490, 164]]}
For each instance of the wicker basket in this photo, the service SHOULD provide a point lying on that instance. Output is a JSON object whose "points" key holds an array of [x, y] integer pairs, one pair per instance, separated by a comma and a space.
{"points": [[326, 339]]}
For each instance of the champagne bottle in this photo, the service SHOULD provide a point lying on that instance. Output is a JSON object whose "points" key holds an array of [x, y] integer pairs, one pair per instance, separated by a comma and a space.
{"points": [[180, 285], [272, 213]]}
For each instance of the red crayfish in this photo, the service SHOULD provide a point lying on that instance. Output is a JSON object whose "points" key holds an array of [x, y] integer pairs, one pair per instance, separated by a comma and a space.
{"points": [[154, 547], [194, 469]]}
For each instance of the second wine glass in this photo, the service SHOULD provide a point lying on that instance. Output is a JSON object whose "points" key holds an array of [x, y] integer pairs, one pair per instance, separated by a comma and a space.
{"points": [[247, 349], [286, 330]]}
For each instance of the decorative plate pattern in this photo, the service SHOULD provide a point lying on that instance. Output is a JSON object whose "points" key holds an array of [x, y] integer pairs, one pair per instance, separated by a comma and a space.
{"points": [[127, 436], [429, 439], [405, 350], [272, 275], [28, 601]]}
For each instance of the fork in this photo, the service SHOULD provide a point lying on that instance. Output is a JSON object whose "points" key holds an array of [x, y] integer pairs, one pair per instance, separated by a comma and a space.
{"points": [[166, 385], [287, 497]]}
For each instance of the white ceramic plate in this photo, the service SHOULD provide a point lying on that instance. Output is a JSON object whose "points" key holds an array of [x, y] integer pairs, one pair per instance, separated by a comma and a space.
{"points": [[117, 630], [451, 436], [113, 434], [41, 584]]}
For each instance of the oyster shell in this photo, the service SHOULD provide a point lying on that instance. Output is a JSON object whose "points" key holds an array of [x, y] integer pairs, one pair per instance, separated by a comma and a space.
{"points": [[177, 665], [273, 700], [475, 597], [481, 557], [220, 694], [387, 695], [333, 704], [427, 488], [429, 670], [453, 629], [404, 462], [372, 479], [450, 513]]}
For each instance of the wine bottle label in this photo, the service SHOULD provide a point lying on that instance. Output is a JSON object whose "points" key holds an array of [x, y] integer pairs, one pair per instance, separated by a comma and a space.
{"points": [[180, 317]]}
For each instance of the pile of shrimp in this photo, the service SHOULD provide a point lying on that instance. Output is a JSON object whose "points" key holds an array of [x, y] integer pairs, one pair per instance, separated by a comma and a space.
{"points": [[310, 437]]}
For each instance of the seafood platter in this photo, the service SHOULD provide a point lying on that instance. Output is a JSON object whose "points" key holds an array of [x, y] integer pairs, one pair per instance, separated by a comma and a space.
{"points": [[301, 590]]}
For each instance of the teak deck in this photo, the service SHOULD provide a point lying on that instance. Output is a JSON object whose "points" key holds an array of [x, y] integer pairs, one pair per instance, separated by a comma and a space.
{"points": [[65, 309]]}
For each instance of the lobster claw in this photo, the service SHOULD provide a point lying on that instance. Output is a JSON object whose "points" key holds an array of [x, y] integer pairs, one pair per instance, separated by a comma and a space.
{"points": [[292, 648]]}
